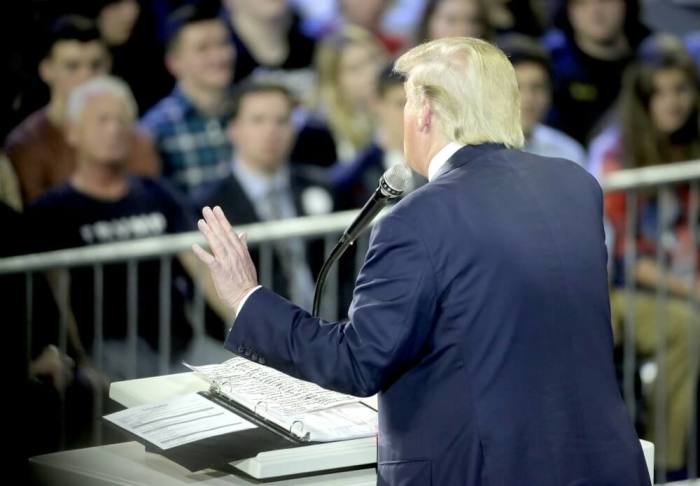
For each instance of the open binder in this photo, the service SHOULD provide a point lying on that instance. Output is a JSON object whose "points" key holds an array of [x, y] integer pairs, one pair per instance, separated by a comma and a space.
{"points": [[267, 406]]}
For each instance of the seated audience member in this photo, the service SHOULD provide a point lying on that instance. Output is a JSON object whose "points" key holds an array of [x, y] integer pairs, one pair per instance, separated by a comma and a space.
{"points": [[531, 65], [590, 49], [264, 186], [269, 42], [189, 126], [137, 56], [37, 148], [355, 182], [103, 203], [659, 124], [454, 18], [347, 63]]}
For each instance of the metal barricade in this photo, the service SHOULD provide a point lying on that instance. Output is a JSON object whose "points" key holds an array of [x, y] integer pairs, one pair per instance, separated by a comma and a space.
{"points": [[263, 236]]}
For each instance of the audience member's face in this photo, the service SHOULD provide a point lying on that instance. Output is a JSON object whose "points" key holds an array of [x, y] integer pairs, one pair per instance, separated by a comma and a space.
{"points": [[365, 13], [102, 133], [358, 69], [261, 9], [456, 18], [390, 116], [203, 55], [535, 94], [598, 21], [71, 63], [116, 21], [673, 100], [262, 132]]}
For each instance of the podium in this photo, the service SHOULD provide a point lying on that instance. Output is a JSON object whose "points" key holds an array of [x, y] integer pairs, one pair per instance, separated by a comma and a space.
{"points": [[311, 459], [346, 463], [130, 463]]}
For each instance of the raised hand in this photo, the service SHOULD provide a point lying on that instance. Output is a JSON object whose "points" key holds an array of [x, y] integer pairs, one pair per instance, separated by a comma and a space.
{"points": [[229, 262]]}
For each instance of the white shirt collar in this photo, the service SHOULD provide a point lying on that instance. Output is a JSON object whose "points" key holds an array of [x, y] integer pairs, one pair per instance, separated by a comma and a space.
{"points": [[255, 184], [441, 158]]}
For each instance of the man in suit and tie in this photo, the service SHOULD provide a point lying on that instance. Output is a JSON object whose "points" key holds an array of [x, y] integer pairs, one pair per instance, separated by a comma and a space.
{"points": [[481, 315], [264, 186]]}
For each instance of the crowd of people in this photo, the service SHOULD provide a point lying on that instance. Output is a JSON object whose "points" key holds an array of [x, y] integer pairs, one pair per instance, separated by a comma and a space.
{"points": [[131, 115]]}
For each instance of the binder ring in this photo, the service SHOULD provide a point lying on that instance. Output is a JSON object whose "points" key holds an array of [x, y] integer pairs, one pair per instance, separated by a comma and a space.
{"points": [[297, 428], [263, 407]]}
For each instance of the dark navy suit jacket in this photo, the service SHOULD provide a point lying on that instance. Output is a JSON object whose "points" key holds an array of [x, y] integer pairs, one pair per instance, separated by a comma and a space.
{"points": [[481, 317]]}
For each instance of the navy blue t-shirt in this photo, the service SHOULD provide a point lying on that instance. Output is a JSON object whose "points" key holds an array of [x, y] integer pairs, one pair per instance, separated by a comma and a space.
{"points": [[67, 218]]}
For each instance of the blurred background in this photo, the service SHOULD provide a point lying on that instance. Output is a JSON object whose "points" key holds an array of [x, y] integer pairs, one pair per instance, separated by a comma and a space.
{"points": [[122, 118]]}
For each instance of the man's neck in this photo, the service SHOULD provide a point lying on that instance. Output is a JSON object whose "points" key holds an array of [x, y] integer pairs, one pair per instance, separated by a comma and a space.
{"points": [[608, 51], [101, 181], [207, 101], [55, 111], [265, 38], [258, 170]]}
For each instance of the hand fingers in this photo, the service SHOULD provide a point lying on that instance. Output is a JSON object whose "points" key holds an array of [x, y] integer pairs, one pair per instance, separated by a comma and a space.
{"points": [[228, 229], [203, 255], [244, 240], [217, 246], [222, 231]]}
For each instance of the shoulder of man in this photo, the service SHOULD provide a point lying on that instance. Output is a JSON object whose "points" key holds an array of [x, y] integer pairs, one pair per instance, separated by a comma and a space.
{"points": [[161, 116], [25, 135]]}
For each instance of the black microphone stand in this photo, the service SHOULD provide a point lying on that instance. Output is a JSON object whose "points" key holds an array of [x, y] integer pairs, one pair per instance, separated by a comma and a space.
{"points": [[367, 214]]}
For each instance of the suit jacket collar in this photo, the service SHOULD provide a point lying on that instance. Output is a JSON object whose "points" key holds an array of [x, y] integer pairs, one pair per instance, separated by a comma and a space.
{"points": [[467, 154]]}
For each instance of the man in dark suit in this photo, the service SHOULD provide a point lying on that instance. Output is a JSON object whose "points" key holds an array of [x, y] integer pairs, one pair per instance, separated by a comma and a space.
{"points": [[263, 185], [481, 316]]}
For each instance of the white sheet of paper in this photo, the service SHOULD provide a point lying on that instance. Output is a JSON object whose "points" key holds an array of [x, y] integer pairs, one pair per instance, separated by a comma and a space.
{"points": [[256, 384], [305, 409], [186, 419]]}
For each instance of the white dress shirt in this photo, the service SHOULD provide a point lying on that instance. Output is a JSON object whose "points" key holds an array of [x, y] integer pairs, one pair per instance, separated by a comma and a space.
{"points": [[441, 159]]}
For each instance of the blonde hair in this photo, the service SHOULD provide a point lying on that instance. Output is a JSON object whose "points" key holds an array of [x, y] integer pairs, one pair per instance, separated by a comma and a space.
{"points": [[471, 87], [102, 84], [344, 120]]}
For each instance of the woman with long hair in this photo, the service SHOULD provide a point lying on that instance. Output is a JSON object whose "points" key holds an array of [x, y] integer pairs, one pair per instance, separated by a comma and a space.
{"points": [[659, 123], [348, 63]]}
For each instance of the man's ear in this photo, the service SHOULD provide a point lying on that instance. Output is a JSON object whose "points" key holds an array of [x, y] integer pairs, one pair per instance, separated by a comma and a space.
{"points": [[46, 71], [425, 117], [172, 63], [73, 133]]}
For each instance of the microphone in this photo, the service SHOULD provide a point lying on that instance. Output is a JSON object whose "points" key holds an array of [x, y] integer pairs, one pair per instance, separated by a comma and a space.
{"points": [[392, 184]]}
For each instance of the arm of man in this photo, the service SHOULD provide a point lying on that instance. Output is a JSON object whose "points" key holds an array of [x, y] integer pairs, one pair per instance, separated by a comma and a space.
{"points": [[391, 317]]}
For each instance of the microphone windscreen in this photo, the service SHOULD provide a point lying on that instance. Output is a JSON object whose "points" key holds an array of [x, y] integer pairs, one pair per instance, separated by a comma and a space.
{"points": [[397, 177]]}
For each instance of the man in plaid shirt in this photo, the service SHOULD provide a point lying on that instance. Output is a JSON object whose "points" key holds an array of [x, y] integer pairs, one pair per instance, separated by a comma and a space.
{"points": [[188, 126]]}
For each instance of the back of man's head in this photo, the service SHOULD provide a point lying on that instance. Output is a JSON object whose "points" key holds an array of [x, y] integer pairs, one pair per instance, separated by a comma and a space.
{"points": [[470, 87]]}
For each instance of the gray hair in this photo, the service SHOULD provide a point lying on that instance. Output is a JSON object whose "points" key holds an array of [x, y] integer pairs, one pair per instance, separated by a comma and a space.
{"points": [[102, 84]]}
